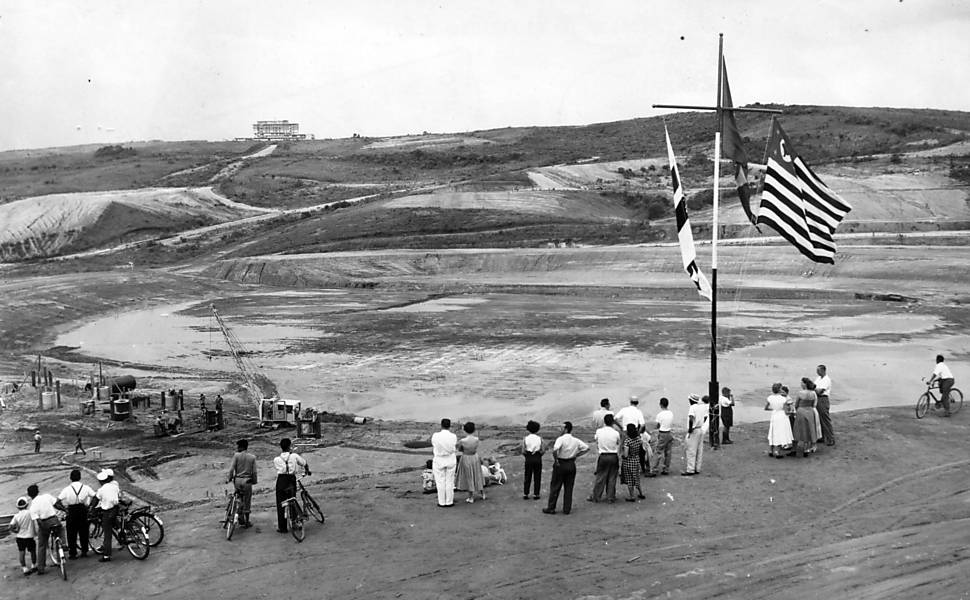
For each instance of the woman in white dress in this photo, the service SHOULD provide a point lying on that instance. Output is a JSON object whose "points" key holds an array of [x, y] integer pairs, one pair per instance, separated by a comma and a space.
{"points": [[779, 428]]}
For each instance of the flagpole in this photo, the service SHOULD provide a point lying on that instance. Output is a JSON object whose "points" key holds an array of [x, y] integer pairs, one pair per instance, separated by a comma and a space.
{"points": [[712, 386]]}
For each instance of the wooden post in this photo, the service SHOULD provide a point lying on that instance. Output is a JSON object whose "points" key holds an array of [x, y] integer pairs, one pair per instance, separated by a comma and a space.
{"points": [[57, 389]]}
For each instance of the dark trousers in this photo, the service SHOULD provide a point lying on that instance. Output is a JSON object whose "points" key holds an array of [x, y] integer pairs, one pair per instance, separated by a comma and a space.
{"points": [[665, 443], [607, 468], [107, 524], [563, 478], [285, 489], [825, 420], [945, 386], [77, 525], [533, 474], [48, 527]]}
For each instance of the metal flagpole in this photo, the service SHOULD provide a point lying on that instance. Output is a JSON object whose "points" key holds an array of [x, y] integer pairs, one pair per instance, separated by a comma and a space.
{"points": [[712, 386]]}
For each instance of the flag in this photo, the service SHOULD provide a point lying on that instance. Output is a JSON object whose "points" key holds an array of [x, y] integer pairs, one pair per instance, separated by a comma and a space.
{"points": [[687, 253], [731, 147], [796, 203]]}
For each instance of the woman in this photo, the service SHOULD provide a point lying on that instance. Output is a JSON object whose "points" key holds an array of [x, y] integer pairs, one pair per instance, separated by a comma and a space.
{"points": [[779, 429], [630, 466], [532, 452], [806, 428], [469, 474]]}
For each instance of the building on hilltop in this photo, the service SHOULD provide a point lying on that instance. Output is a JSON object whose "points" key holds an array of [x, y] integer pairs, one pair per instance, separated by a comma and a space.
{"points": [[275, 131]]}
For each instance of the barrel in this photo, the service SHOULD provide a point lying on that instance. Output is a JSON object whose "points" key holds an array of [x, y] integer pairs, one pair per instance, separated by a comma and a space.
{"points": [[122, 409], [48, 400], [104, 392]]}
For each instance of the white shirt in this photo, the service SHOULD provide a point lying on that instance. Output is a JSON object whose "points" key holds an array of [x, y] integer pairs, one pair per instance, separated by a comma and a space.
{"points": [[444, 443], [25, 525], [598, 416], [567, 446], [726, 402], [941, 371], [700, 413], [289, 463], [607, 440], [76, 493], [630, 414], [823, 386], [665, 420], [109, 495], [532, 443], [42, 507]]}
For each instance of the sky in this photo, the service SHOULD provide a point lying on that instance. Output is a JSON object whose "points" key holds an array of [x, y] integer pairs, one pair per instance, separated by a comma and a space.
{"points": [[105, 71]]}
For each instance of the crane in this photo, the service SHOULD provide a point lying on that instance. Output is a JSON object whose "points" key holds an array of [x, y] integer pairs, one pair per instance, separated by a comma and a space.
{"points": [[272, 411]]}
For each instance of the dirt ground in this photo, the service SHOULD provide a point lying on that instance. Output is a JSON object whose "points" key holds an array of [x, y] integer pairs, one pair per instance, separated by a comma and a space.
{"points": [[884, 514]]}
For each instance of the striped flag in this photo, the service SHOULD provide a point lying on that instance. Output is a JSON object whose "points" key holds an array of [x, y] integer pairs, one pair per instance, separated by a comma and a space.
{"points": [[684, 234], [796, 203], [731, 148]]}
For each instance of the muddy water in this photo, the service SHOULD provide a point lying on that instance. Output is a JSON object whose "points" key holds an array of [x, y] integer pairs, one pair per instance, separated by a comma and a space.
{"points": [[874, 359]]}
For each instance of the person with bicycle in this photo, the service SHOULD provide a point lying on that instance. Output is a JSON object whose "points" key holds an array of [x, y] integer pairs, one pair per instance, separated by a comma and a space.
{"points": [[46, 523], [77, 497], [109, 497], [943, 374], [242, 474], [287, 465]]}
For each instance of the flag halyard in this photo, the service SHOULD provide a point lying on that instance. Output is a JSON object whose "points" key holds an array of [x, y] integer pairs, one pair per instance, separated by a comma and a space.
{"points": [[688, 253], [796, 202]]}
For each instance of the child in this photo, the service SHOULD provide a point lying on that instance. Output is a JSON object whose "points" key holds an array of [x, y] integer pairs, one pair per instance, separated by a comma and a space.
{"points": [[493, 472], [427, 479], [23, 526]]}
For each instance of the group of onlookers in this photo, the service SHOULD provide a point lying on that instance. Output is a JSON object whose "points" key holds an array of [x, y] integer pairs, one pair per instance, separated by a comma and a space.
{"points": [[798, 423]]}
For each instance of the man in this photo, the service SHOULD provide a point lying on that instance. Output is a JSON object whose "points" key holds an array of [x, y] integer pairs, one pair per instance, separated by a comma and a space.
{"points": [[608, 462], [823, 387], [36, 441], [601, 412], [942, 373], [287, 465], [444, 444], [109, 496], [727, 414], [665, 439], [79, 446], [694, 443], [632, 414], [564, 454], [46, 523], [76, 497], [242, 474]]}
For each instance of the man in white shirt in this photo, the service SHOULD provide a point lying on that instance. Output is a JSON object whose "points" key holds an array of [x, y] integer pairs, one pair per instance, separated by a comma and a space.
{"points": [[601, 412], [942, 373], [76, 497], [46, 523], [564, 453], [823, 387], [630, 414], [109, 496], [665, 439], [608, 462], [697, 417], [445, 447], [288, 465]]}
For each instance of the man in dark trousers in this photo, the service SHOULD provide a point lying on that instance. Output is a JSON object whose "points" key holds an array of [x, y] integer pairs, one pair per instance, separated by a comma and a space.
{"points": [[823, 387], [79, 446], [287, 465], [242, 474], [564, 453], [76, 498]]}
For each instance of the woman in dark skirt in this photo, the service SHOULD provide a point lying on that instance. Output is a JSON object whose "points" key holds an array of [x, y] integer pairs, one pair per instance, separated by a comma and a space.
{"points": [[630, 466], [727, 414]]}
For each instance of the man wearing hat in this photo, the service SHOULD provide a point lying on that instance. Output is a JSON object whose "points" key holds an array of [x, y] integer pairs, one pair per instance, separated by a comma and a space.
{"points": [[36, 441], [632, 414], [697, 415], [109, 496]]}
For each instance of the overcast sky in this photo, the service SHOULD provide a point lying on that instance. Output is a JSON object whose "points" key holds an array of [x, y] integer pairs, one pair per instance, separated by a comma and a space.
{"points": [[82, 71]]}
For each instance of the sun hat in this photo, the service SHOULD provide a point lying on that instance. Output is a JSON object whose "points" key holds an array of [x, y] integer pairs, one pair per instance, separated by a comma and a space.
{"points": [[23, 502], [694, 398], [104, 474], [634, 400]]}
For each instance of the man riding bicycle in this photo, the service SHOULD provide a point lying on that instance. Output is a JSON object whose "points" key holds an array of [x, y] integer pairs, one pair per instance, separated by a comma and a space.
{"points": [[242, 474], [942, 373], [287, 464]]}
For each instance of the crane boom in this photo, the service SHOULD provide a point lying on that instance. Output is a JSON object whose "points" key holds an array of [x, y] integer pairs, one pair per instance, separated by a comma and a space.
{"points": [[239, 356]]}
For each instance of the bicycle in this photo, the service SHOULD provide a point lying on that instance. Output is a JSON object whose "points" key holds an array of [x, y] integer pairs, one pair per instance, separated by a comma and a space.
{"points": [[923, 402], [310, 505], [127, 531], [55, 551], [232, 513], [152, 523], [297, 514]]}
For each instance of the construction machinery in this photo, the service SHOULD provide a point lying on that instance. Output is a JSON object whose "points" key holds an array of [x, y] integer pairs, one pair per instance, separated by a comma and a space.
{"points": [[271, 409]]}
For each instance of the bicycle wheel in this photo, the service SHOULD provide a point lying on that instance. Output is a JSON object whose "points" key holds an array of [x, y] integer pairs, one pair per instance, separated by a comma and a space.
{"points": [[61, 560], [956, 401], [232, 517], [136, 540], [294, 521], [153, 525], [311, 507], [922, 405]]}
